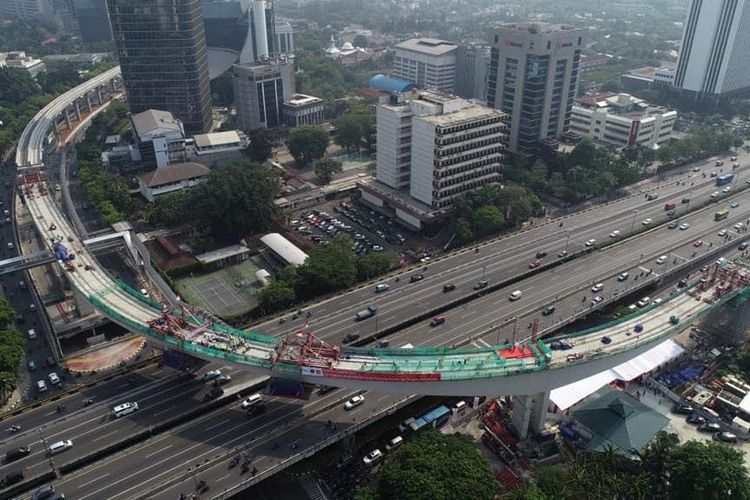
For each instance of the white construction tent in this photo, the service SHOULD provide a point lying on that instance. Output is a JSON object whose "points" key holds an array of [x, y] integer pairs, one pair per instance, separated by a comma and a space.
{"points": [[284, 250], [566, 396]]}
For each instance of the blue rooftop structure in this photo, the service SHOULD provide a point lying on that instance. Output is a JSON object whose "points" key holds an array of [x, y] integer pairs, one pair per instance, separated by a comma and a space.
{"points": [[390, 84]]}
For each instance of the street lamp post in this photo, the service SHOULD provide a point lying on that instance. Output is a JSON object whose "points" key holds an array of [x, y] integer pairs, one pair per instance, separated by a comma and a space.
{"points": [[632, 223]]}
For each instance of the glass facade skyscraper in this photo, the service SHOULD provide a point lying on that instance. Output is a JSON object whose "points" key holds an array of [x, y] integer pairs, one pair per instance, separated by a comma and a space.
{"points": [[161, 45]]}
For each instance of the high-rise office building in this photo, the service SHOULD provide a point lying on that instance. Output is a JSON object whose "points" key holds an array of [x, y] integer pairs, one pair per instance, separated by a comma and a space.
{"points": [[714, 57], [260, 91], [472, 67], [533, 78], [161, 46], [92, 20], [428, 62]]}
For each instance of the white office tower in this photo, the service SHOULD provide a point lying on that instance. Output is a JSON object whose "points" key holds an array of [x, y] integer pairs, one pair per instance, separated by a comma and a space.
{"points": [[260, 32], [714, 58]]}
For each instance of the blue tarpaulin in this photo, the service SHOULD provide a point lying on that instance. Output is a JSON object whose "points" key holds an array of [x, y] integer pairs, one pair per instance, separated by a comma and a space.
{"points": [[680, 377]]}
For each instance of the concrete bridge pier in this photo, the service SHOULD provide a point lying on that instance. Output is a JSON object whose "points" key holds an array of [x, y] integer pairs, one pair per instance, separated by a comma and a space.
{"points": [[529, 413]]}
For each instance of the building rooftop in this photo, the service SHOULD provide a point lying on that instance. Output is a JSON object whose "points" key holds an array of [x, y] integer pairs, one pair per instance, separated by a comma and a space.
{"points": [[620, 104], [430, 46], [284, 249], [464, 115], [153, 119], [174, 173], [302, 100], [222, 253], [618, 420], [217, 139], [540, 27]]}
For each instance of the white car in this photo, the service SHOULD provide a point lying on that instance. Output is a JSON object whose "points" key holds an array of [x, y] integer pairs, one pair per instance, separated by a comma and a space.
{"points": [[53, 378], [251, 401], [615, 233], [354, 402], [591, 242], [373, 457], [60, 446], [623, 276], [723, 232], [715, 194], [647, 222], [738, 226], [684, 226], [211, 375], [596, 300], [658, 301], [644, 302], [125, 409], [515, 295], [598, 287], [727, 189], [661, 260]]}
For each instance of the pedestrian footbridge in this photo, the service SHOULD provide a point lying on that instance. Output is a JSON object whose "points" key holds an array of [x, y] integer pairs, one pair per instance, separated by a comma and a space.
{"points": [[528, 368]]}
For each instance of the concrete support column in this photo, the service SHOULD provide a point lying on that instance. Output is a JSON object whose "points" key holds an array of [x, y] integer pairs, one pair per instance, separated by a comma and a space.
{"points": [[67, 119], [77, 106], [99, 96], [88, 102], [84, 306], [529, 413]]}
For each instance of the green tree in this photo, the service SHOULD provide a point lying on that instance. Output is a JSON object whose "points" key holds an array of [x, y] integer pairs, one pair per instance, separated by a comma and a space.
{"points": [[353, 128], [276, 296], [59, 79], [11, 350], [307, 144], [707, 470], [376, 263], [365, 493], [361, 41], [172, 209], [487, 220], [7, 384], [16, 86], [433, 466], [328, 268], [260, 147], [325, 168], [463, 230], [237, 200], [7, 313], [222, 92]]}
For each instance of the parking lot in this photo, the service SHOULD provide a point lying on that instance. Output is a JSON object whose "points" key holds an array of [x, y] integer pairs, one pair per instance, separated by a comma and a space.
{"points": [[371, 231]]}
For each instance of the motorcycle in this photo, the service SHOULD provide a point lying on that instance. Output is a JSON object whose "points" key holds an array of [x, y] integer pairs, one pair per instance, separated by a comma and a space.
{"points": [[281, 321], [245, 468], [397, 279], [233, 463], [59, 408], [87, 402]]}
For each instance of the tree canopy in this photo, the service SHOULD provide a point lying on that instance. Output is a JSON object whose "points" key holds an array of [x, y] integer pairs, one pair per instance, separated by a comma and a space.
{"points": [[307, 144], [353, 128], [16, 85], [325, 168], [433, 466], [259, 149]]}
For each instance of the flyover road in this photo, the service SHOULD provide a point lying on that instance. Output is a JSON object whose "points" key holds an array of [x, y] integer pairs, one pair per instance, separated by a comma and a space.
{"points": [[160, 396], [283, 430], [496, 261]]}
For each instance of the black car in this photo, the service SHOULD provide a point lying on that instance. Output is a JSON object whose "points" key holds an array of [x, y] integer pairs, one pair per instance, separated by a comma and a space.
{"points": [[540, 254], [325, 389], [256, 410], [695, 419], [682, 283], [548, 310], [709, 427], [560, 345], [17, 453], [742, 246], [683, 409], [214, 393], [449, 287], [222, 380], [480, 284], [416, 277], [12, 478], [350, 337]]}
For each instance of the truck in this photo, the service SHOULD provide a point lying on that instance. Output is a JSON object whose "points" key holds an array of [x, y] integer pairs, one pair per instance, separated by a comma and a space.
{"points": [[725, 179], [366, 313], [670, 205], [61, 252]]}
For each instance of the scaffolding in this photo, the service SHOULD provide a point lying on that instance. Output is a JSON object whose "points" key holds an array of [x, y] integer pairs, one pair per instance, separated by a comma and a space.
{"points": [[304, 348]]}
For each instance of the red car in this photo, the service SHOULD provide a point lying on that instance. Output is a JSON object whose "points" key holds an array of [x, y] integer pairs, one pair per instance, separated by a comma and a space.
{"points": [[437, 320], [697, 243], [534, 264]]}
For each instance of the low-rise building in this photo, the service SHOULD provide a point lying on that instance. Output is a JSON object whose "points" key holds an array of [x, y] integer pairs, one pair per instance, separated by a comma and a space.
{"points": [[160, 137], [171, 178], [284, 250], [218, 147], [622, 120], [19, 59], [303, 109]]}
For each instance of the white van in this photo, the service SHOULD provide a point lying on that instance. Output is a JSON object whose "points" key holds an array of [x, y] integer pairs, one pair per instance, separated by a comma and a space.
{"points": [[60, 446], [515, 295], [125, 409], [32, 334], [41, 385], [394, 443]]}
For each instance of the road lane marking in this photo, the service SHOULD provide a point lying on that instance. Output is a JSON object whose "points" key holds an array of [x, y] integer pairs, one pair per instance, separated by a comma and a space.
{"points": [[165, 410], [105, 435], [218, 424], [93, 480], [157, 372], [158, 451]]}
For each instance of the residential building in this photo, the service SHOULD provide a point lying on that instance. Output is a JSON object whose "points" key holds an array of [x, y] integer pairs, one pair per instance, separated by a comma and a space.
{"points": [[260, 91], [171, 178], [93, 21], [592, 62], [533, 78], [714, 58], [303, 109], [428, 62], [161, 47], [19, 59], [622, 120], [472, 68], [431, 149], [159, 136]]}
